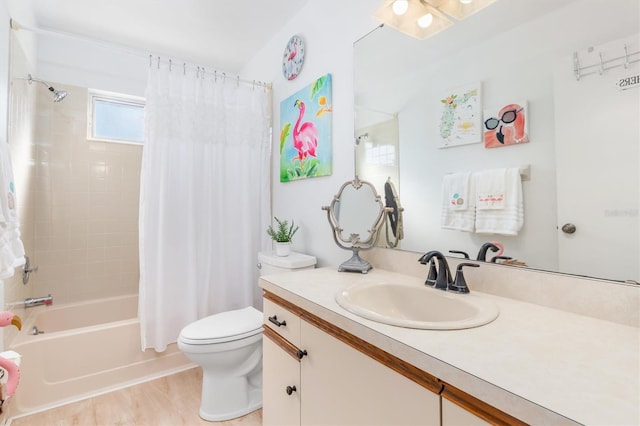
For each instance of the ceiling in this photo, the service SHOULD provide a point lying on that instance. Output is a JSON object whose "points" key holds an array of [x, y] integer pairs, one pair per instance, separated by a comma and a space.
{"points": [[224, 34]]}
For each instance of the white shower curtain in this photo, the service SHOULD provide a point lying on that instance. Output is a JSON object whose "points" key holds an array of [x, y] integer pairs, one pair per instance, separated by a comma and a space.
{"points": [[204, 199]]}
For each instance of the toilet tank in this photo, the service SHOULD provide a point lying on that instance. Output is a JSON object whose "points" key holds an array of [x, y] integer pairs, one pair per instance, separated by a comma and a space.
{"points": [[270, 263]]}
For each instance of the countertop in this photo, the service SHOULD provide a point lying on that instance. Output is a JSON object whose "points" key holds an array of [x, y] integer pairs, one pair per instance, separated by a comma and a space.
{"points": [[541, 365]]}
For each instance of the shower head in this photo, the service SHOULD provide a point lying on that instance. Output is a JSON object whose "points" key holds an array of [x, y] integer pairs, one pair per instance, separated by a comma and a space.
{"points": [[58, 95]]}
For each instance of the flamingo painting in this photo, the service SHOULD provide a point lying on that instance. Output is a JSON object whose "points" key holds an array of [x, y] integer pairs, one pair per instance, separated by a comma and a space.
{"points": [[305, 136], [13, 372], [305, 132]]}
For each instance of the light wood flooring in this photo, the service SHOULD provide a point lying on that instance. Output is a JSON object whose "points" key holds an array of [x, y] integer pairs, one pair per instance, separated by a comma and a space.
{"points": [[170, 401]]}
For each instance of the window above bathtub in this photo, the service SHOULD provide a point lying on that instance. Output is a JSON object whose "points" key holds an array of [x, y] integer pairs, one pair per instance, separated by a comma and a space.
{"points": [[115, 117]]}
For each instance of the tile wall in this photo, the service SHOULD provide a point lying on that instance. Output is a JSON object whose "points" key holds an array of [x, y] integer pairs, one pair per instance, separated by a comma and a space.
{"points": [[87, 192], [21, 129]]}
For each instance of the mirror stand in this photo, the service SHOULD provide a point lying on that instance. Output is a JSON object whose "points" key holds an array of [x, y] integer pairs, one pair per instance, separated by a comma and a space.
{"points": [[356, 263], [354, 207]]}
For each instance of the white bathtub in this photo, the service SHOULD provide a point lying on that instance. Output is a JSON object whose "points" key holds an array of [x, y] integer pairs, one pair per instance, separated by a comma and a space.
{"points": [[86, 349]]}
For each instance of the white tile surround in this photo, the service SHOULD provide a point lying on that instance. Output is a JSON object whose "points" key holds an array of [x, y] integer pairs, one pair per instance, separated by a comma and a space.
{"points": [[601, 299]]}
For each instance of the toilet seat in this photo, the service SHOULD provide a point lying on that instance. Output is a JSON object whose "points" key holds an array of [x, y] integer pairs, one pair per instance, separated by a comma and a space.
{"points": [[223, 327]]}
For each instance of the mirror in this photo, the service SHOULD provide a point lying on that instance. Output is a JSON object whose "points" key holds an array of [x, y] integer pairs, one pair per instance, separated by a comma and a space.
{"points": [[355, 215], [569, 65], [394, 225]]}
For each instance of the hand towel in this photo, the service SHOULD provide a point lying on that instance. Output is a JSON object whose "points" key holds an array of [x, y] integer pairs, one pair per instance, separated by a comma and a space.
{"points": [[11, 247], [455, 190], [509, 218], [458, 203], [491, 186]]}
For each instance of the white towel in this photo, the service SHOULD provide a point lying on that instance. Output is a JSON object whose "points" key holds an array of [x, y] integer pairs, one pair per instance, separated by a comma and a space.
{"points": [[491, 186], [11, 247], [458, 202], [505, 216]]}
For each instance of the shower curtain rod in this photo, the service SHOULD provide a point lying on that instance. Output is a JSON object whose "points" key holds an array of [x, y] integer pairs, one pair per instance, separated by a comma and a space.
{"points": [[16, 26]]}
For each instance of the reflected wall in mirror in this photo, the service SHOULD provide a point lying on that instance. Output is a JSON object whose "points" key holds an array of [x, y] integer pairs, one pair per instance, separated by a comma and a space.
{"points": [[584, 134], [355, 215]]}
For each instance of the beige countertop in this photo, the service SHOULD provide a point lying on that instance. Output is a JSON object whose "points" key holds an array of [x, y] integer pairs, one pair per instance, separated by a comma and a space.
{"points": [[541, 365]]}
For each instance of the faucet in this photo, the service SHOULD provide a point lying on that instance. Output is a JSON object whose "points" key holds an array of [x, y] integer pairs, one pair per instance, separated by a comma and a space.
{"points": [[37, 301], [442, 279], [482, 254]]}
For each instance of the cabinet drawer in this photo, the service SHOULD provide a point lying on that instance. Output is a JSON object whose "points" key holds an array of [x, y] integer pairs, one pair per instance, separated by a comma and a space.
{"points": [[289, 323], [280, 402]]}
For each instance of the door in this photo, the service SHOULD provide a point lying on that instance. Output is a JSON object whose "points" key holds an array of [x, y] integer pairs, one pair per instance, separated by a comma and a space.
{"points": [[597, 140]]}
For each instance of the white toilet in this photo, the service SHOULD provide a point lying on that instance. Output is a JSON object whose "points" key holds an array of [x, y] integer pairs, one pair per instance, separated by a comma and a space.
{"points": [[228, 347]]}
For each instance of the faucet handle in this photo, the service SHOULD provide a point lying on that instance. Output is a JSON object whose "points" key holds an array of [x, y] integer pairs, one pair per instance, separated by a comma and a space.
{"points": [[459, 283], [494, 259], [463, 253]]}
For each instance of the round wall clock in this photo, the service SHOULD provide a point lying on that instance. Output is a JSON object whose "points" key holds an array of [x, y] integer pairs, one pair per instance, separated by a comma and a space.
{"points": [[293, 57]]}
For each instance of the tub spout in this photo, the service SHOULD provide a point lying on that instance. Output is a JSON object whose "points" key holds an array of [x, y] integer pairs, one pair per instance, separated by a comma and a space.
{"points": [[37, 301]]}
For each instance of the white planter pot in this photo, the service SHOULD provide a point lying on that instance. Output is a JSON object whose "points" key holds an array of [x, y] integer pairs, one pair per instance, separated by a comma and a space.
{"points": [[283, 249]]}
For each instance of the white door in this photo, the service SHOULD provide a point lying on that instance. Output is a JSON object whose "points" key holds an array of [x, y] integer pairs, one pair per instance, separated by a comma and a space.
{"points": [[597, 142]]}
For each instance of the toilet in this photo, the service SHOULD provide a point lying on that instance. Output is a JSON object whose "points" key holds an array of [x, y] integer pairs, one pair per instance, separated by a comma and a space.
{"points": [[228, 347]]}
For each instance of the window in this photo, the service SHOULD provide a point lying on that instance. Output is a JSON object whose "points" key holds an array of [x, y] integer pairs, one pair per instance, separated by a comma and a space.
{"points": [[383, 155], [114, 117]]}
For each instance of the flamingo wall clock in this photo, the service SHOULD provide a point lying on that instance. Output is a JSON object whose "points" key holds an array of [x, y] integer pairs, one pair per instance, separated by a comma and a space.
{"points": [[293, 57], [305, 132]]}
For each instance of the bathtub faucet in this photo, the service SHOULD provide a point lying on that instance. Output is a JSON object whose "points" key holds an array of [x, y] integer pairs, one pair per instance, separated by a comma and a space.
{"points": [[37, 301]]}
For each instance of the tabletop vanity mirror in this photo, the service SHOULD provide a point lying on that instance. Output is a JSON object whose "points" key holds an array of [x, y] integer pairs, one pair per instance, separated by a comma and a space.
{"points": [[355, 215], [569, 66]]}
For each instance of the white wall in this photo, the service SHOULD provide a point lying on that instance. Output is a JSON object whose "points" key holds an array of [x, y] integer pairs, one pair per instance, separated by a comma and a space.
{"points": [[329, 29]]}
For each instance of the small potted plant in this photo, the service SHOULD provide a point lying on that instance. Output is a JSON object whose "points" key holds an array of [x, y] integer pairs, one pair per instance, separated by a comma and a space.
{"points": [[282, 235]]}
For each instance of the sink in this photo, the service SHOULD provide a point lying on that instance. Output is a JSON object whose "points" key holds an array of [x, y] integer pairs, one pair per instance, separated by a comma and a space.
{"points": [[417, 306]]}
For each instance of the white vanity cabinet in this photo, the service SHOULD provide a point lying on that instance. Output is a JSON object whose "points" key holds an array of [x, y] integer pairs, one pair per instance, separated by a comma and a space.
{"points": [[315, 373], [453, 415], [335, 382]]}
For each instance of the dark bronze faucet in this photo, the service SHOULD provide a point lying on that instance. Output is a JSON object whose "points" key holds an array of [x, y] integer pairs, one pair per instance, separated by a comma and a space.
{"points": [[442, 278], [482, 254]]}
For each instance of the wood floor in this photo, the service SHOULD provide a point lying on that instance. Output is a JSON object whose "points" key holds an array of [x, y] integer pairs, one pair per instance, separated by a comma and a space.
{"points": [[170, 401]]}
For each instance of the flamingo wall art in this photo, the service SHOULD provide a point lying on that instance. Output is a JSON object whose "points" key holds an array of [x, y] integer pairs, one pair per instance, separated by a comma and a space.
{"points": [[305, 132]]}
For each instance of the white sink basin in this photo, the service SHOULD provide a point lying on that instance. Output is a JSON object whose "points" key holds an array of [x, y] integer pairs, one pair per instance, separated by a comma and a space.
{"points": [[417, 306]]}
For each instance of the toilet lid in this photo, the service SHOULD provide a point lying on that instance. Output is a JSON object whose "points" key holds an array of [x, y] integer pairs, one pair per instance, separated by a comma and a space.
{"points": [[223, 327]]}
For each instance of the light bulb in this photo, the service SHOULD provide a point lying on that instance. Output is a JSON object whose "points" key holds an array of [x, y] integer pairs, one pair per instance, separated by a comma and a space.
{"points": [[425, 20], [466, 1], [400, 7]]}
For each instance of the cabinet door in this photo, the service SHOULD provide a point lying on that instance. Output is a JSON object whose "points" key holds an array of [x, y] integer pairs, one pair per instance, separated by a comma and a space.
{"points": [[342, 386], [280, 375], [452, 415]]}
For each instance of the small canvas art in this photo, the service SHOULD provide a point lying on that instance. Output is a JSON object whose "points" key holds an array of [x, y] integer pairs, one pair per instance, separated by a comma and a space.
{"points": [[460, 116], [506, 125], [305, 132]]}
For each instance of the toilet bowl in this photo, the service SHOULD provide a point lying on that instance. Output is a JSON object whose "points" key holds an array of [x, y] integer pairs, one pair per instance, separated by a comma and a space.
{"points": [[228, 347]]}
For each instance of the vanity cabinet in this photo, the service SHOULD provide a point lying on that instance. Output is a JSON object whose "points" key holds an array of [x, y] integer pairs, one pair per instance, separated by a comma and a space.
{"points": [[453, 415], [328, 379], [315, 373]]}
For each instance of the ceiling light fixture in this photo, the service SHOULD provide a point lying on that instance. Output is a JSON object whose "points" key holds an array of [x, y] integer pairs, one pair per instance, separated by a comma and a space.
{"points": [[424, 18], [400, 7]]}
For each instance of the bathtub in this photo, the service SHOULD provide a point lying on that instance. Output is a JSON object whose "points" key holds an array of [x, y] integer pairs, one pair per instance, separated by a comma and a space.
{"points": [[86, 349]]}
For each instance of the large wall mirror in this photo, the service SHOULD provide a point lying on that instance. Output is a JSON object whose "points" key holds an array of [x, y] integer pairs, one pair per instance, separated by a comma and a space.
{"points": [[568, 60]]}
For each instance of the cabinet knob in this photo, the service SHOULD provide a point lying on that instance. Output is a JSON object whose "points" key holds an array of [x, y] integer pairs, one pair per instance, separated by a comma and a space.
{"points": [[274, 319], [301, 353], [291, 389]]}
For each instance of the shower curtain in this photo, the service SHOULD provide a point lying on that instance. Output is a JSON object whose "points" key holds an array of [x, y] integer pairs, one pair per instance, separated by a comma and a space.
{"points": [[204, 198]]}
